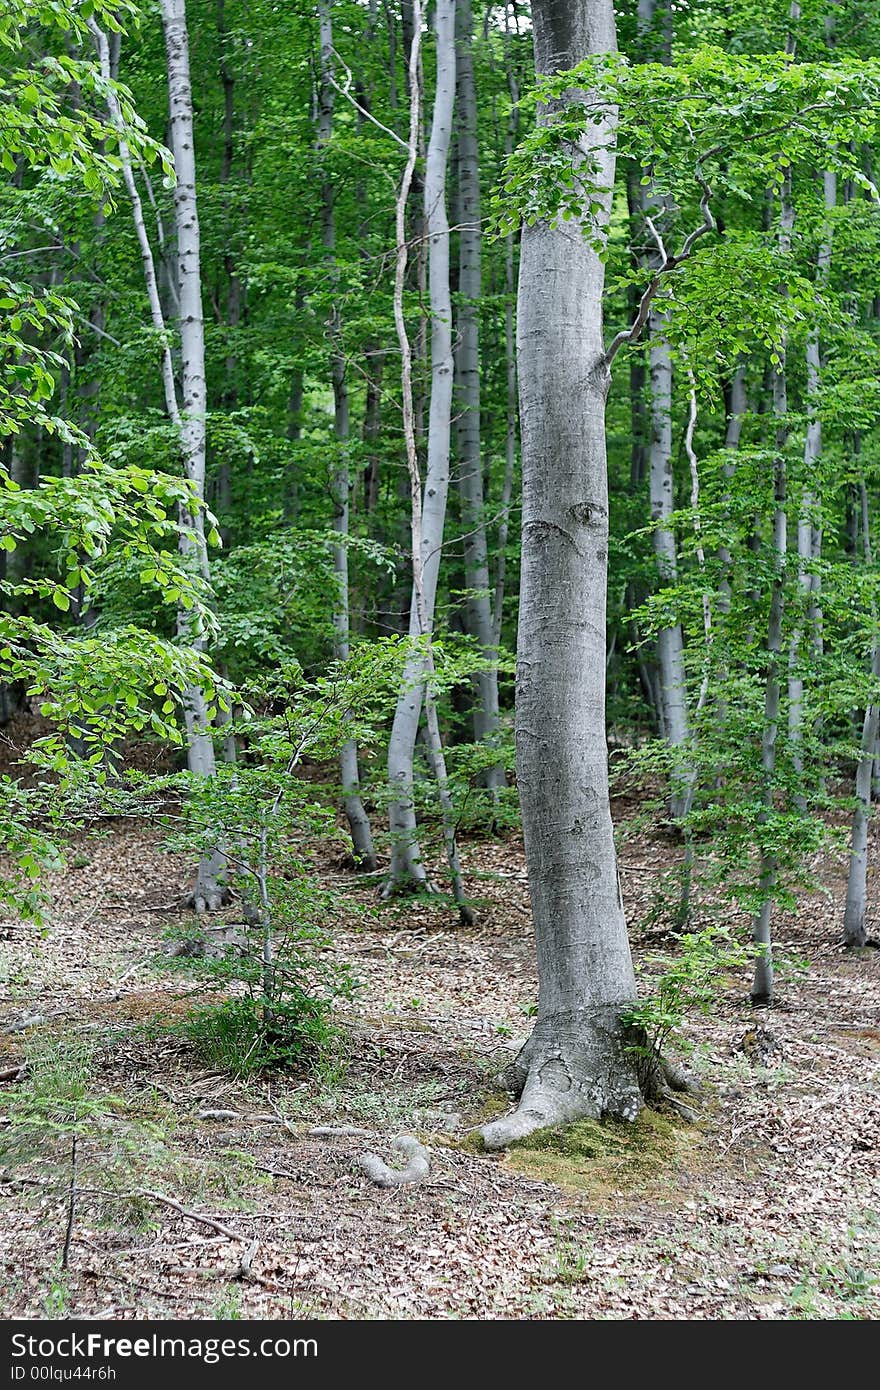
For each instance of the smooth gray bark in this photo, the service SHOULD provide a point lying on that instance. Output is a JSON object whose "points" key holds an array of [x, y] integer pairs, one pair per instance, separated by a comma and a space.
{"points": [[358, 821], [510, 433], [406, 857], [670, 641], [655, 24], [210, 891], [808, 534], [478, 605], [736, 408], [855, 932], [762, 983], [575, 1062]]}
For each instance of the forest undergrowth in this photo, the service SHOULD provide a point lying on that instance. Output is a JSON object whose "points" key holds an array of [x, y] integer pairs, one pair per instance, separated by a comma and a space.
{"points": [[198, 1195]]}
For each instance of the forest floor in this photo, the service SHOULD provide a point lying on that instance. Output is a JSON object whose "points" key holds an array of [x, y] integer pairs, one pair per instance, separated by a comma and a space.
{"points": [[768, 1206]]}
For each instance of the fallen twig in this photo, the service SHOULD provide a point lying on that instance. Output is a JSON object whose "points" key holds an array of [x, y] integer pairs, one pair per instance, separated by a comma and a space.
{"points": [[191, 1215], [340, 1132]]}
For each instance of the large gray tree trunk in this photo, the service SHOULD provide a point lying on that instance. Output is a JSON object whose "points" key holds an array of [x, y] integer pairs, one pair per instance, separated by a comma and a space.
{"points": [[406, 856], [467, 370], [575, 1062], [210, 892], [358, 821]]}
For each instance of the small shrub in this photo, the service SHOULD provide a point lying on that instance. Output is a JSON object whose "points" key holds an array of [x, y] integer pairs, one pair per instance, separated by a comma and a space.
{"points": [[247, 1036], [690, 983]]}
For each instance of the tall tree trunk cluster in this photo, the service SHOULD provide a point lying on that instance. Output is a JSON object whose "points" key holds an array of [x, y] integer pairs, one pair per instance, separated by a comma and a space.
{"points": [[548, 383]]}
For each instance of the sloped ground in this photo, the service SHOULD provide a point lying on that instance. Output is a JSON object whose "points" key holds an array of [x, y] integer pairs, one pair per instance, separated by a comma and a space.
{"points": [[765, 1208]]}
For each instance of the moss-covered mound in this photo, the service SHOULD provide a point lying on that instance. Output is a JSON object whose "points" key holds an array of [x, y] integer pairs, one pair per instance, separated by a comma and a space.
{"points": [[611, 1157]]}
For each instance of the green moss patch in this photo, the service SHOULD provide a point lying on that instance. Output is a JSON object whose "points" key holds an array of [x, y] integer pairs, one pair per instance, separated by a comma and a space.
{"points": [[611, 1158]]}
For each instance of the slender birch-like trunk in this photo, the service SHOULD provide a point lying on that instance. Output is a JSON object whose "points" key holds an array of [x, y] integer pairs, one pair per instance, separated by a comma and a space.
{"points": [[808, 534], [210, 891], [419, 673], [234, 288], [735, 409], [855, 932], [358, 821], [670, 641], [406, 857], [655, 31], [575, 1062], [762, 984], [467, 371], [510, 433]]}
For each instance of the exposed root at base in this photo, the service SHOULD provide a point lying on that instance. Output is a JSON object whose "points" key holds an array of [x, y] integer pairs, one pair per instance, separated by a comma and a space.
{"points": [[393, 886], [585, 1067]]}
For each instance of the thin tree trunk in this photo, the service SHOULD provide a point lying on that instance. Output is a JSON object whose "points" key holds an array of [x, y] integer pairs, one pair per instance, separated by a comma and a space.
{"points": [[655, 32], [855, 932], [735, 402], [670, 641], [762, 984], [808, 534], [510, 433], [426, 516], [294, 423], [358, 821], [478, 606], [575, 1062], [233, 280], [209, 892], [411, 13]]}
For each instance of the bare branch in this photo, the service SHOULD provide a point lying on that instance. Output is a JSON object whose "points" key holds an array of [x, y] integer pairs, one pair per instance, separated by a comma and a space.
{"points": [[667, 264], [368, 115]]}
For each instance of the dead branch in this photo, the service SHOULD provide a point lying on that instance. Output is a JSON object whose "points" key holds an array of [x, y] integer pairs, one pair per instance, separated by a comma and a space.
{"points": [[340, 1132], [191, 1215]]}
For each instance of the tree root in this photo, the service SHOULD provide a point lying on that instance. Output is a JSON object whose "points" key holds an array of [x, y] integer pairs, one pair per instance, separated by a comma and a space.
{"points": [[581, 1067], [210, 891], [406, 883], [417, 1167], [677, 1079], [672, 1101], [207, 897]]}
